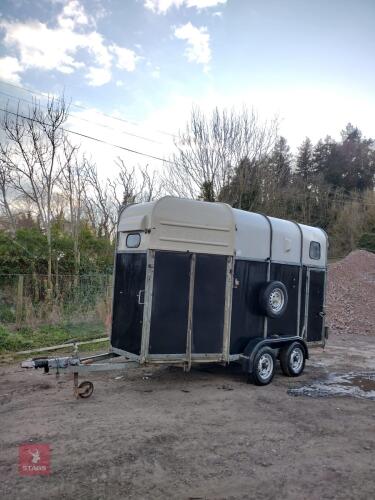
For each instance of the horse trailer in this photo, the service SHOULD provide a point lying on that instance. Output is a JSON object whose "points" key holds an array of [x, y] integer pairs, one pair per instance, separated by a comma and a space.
{"points": [[200, 282]]}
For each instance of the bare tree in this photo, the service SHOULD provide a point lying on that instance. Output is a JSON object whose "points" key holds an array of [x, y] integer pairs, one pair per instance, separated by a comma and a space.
{"points": [[5, 187], [104, 198], [30, 151], [124, 185], [149, 186], [135, 185], [211, 147], [347, 227], [100, 204], [74, 182]]}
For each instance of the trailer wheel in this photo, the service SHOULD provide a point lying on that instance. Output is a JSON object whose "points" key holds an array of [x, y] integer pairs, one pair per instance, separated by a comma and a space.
{"points": [[263, 367], [85, 389], [292, 360], [273, 299]]}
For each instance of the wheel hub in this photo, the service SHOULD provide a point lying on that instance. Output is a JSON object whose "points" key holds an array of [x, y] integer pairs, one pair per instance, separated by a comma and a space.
{"points": [[296, 359], [265, 366], [276, 299]]}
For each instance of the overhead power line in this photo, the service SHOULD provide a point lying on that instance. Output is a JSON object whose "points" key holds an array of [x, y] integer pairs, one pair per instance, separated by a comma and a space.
{"points": [[86, 120], [87, 137], [36, 92]]}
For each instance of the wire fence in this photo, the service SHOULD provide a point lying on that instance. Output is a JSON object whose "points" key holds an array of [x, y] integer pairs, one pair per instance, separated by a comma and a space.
{"points": [[26, 300]]}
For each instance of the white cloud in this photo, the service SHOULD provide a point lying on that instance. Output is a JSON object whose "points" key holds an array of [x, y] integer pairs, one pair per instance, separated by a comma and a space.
{"points": [[73, 15], [10, 69], [161, 6], [203, 4], [98, 76], [95, 43], [126, 58], [42, 47], [198, 41]]}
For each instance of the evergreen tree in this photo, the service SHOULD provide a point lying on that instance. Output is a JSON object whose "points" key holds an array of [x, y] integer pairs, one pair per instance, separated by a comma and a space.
{"points": [[321, 155], [328, 161], [305, 168], [349, 164], [207, 191], [281, 161], [358, 167]]}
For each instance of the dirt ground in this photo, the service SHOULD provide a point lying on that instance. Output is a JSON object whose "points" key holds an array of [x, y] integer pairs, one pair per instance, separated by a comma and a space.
{"points": [[161, 433]]}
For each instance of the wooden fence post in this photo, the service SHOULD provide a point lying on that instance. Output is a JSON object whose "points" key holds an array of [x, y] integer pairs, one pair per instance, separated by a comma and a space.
{"points": [[19, 304]]}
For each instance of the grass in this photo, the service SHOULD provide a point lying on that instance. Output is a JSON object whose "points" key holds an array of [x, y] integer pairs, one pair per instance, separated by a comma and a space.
{"points": [[25, 338], [11, 357]]}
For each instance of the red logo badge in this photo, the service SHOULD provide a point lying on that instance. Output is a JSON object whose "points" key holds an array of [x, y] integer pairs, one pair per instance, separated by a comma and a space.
{"points": [[34, 459]]}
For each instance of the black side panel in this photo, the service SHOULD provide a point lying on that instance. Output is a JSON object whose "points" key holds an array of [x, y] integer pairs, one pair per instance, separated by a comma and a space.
{"points": [[170, 303], [287, 324], [247, 321], [209, 302], [316, 297], [127, 312]]}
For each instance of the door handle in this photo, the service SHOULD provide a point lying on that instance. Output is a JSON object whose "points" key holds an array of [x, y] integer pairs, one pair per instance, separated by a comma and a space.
{"points": [[139, 295]]}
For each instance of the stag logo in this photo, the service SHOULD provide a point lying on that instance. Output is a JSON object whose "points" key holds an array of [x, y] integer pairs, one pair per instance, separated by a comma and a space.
{"points": [[35, 456], [34, 459]]}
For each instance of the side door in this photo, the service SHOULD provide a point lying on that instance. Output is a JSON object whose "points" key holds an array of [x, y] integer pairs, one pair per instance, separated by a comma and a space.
{"points": [[315, 305], [170, 303], [188, 296], [128, 301]]}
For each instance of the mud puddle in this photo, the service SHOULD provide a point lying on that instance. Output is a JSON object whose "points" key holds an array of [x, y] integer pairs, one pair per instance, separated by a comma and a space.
{"points": [[353, 384]]}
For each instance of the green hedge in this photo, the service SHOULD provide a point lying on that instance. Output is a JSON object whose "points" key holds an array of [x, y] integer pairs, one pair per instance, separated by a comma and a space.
{"points": [[367, 242]]}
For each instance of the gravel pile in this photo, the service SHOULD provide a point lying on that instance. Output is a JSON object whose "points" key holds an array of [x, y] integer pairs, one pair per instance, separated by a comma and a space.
{"points": [[351, 294]]}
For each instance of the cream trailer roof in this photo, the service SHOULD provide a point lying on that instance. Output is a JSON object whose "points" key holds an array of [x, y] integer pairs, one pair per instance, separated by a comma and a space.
{"points": [[178, 224]]}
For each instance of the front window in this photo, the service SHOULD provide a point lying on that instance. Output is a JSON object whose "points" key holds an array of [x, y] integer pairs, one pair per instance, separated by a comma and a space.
{"points": [[128, 240], [314, 250], [133, 240]]}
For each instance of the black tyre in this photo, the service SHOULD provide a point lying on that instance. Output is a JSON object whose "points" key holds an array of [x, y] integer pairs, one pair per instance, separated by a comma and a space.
{"points": [[292, 359], [273, 299], [264, 367]]}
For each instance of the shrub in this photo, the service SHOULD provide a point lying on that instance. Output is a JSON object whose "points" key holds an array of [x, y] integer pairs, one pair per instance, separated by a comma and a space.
{"points": [[13, 341], [367, 242]]}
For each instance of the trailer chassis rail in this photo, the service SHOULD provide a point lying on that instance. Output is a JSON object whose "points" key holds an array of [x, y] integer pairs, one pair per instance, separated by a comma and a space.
{"points": [[79, 366]]}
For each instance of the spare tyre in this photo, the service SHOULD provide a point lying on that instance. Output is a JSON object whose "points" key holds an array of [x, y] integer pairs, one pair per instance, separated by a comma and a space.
{"points": [[273, 299]]}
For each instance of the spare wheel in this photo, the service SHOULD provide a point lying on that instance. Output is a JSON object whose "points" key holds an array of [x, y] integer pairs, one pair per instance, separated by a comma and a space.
{"points": [[273, 299]]}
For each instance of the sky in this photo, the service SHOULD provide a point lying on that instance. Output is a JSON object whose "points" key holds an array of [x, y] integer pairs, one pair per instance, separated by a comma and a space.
{"points": [[145, 63]]}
